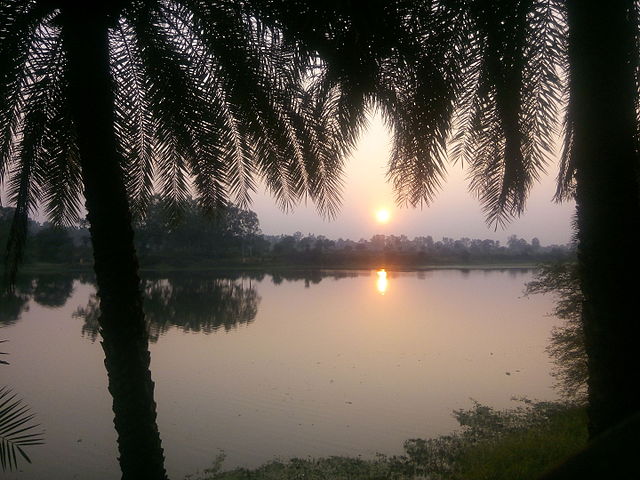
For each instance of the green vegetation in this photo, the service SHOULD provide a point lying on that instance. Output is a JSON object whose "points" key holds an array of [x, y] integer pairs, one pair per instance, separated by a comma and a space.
{"points": [[516, 444], [527, 454]]}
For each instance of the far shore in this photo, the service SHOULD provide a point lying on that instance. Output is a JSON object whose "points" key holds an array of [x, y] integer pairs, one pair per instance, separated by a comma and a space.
{"points": [[35, 268]]}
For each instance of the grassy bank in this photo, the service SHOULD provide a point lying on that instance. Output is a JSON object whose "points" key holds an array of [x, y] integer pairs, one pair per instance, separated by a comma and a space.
{"points": [[517, 444], [529, 453]]}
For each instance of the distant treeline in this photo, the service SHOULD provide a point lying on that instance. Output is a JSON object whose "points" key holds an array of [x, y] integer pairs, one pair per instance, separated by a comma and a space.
{"points": [[233, 237], [419, 251]]}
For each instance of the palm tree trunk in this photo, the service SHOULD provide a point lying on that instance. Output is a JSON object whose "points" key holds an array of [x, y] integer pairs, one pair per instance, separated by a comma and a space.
{"points": [[602, 59], [122, 323]]}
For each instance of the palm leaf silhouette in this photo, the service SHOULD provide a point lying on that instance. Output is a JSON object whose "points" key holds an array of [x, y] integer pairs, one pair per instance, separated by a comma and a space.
{"points": [[16, 430], [3, 362]]}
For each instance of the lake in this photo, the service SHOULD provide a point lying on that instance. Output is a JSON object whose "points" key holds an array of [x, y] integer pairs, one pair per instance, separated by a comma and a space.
{"points": [[290, 364]]}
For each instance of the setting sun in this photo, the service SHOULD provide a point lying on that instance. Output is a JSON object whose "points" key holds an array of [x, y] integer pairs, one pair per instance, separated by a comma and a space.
{"points": [[383, 215]]}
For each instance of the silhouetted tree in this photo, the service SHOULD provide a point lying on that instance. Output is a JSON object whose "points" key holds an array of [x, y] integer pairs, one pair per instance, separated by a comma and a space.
{"points": [[195, 236], [52, 244], [99, 97], [601, 154]]}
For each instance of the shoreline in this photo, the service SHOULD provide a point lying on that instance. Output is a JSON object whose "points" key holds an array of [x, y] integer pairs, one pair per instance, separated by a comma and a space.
{"points": [[40, 268]]}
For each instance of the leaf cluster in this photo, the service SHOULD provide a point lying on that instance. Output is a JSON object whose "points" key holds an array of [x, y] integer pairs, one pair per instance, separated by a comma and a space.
{"points": [[470, 81], [207, 100], [17, 430]]}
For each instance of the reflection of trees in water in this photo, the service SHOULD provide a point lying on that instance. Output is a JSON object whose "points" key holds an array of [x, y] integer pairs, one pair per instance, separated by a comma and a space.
{"points": [[311, 276], [191, 304], [203, 304], [90, 315], [53, 290], [17, 431], [518, 272], [566, 345], [11, 307], [198, 305], [48, 290]]}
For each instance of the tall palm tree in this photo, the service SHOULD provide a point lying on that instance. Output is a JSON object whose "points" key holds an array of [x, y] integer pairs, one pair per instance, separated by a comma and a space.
{"points": [[482, 82], [603, 159], [111, 100]]}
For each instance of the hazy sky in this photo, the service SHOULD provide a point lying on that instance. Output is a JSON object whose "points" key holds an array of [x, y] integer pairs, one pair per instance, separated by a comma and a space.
{"points": [[455, 212]]}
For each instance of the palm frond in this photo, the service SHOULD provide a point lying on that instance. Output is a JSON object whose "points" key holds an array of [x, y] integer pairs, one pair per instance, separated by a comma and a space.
{"points": [[62, 182], [251, 86], [566, 173], [19, 23], [509, 122], [133, 120], [17, 430], [36, 147], [421, 112], [25, 186]]}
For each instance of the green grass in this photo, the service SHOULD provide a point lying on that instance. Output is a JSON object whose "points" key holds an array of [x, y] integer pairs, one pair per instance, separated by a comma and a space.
{"points": [[526, 454], [517, 444]]}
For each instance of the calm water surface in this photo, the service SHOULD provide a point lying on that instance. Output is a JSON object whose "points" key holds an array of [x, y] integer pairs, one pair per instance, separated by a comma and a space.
{"points": [[264, 366]]}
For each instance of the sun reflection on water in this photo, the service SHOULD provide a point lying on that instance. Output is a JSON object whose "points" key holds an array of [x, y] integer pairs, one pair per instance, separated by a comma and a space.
{"points": [[382, 283]]}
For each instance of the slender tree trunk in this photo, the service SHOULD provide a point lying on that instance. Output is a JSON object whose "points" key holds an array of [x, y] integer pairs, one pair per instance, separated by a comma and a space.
{"points": [[602, 58], [122, 323]]}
